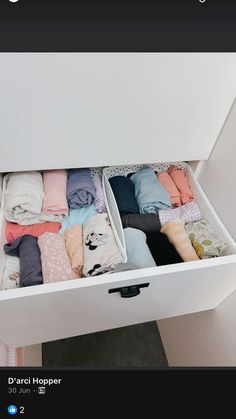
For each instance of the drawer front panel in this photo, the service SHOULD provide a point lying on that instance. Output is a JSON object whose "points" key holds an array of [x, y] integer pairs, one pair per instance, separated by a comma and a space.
{"points": [[48, 312]]}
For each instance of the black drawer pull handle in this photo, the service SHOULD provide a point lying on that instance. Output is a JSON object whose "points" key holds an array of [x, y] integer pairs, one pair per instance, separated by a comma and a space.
{"points": [[128, 292]]}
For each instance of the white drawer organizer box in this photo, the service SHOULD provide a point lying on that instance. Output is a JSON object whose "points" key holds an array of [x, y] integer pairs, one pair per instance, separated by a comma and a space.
{"points": [[206, 209], [100, 110]]}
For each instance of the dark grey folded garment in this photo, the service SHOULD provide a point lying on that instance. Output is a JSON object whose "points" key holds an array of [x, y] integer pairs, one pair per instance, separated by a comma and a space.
{"points": [[148, 223], [26, 248], [123, 189]]}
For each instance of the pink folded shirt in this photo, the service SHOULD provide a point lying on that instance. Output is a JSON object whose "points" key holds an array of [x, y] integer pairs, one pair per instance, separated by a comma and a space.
{"points": [[55, 201], [180, 179], [14, 230], [56, 264], [167, 183]]}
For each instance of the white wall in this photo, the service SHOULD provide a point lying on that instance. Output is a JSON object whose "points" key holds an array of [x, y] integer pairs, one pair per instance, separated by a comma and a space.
{"points": [[78, 110], [209, 338]]}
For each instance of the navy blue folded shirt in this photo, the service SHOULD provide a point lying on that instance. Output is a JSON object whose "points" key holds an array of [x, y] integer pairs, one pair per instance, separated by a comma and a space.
{"points": [[123, 189]]}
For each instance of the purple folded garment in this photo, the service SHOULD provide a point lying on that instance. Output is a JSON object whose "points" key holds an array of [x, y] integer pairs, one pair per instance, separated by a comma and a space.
{"points": [[80, 188], [99, 200]]}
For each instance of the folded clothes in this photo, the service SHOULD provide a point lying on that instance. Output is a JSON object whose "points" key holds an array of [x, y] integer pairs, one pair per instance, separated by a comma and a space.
{"points": [[55, 260], [13, 230], [168, 184], [206, 243], [123, 190], [26, 248], [11, 273], [177, 235], [101, 253], [74, 246], [137, 249], [77, 216], [123, 267], [189, 212], [23, 197], [55, 201], [180, 178], [80, 188], [150, 194], [51, 217], [145, 222], [163, 252], [99, 198]]}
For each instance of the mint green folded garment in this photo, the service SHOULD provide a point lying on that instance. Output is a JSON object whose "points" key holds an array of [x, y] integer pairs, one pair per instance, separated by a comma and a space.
{"points": [[150, 194], [77, 216]]}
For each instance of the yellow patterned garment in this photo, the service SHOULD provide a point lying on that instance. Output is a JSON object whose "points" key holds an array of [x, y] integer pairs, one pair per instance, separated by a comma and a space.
{"points": [[205, 242]]}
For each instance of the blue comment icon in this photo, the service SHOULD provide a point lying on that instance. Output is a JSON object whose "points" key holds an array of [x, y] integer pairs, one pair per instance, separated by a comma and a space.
{"points": [[12, 409]]}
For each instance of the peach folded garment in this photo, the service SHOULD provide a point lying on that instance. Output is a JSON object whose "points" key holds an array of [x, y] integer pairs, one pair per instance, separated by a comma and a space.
{"points": [[167, 183], [13, 230], [177, 235], [180, 179], [55, 260], [55, 201], [74, 246]]}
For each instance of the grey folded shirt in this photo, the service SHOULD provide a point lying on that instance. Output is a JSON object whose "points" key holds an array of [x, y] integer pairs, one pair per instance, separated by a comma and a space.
{"points": [[122, 267], [145, 222]]}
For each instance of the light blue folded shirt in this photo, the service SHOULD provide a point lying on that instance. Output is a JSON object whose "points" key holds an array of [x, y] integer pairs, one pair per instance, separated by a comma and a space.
{"points": [[150, 194], [77, 216], [138, 251]]}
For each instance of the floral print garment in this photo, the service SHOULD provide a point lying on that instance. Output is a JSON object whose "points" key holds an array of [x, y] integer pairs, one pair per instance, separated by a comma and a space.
{"points": [[205, 242]]}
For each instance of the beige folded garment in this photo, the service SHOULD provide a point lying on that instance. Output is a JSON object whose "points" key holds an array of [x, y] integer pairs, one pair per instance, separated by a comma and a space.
{"points": [[177, 235], [74, 246], [23, 197], [101, 253]]}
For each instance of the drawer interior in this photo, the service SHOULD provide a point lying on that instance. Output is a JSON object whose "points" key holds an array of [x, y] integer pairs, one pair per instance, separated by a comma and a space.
{"points": [[207, 211]]}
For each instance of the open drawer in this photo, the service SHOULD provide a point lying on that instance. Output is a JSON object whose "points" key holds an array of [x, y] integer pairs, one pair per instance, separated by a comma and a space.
{"points": [[59, 310]]}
